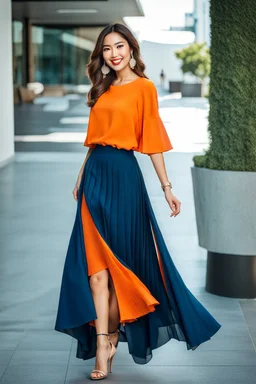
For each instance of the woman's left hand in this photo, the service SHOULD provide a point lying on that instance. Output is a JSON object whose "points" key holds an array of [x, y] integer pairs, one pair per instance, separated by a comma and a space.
{"points": [[173, 202]]}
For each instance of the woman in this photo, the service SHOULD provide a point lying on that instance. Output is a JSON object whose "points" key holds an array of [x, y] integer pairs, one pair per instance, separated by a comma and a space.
{"points": [[119, 281], [162, 78]]}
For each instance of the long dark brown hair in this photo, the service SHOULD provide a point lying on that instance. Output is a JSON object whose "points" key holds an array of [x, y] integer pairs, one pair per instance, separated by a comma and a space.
{"points": [[100, 84]]}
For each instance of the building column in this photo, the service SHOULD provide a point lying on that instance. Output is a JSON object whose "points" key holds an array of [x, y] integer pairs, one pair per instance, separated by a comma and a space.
{"points": [[6, 81], [26, 50]]}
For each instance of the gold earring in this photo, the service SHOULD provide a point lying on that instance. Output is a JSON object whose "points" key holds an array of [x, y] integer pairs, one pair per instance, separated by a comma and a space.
{"points": [[105, 70], [132, 61]]}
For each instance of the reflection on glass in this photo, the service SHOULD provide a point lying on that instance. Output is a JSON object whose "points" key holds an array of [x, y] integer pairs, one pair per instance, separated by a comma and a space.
{"points": [[60, 55], [17, 30]]}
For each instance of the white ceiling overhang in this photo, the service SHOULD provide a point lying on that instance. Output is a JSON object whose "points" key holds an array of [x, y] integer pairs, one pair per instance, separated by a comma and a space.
{"points": [[86, 12]]}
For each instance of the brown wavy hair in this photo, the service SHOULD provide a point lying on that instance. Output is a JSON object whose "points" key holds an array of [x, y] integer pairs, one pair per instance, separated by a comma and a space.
{"points": [[100, 84]]}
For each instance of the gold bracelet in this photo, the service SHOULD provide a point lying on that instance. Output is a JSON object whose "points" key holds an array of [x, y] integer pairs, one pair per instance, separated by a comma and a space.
{"points": [[167, 184]]}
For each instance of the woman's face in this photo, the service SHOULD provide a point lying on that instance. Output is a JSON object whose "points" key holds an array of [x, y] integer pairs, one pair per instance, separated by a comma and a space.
{"points": [[116, 51]]}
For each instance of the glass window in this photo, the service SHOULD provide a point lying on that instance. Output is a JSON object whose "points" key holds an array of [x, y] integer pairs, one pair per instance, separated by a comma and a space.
{"points": [[46, 48], [60, 55], [17, 46]]}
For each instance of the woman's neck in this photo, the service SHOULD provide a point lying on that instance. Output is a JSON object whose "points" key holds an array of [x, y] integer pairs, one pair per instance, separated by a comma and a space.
{"points": [[125, 74]]}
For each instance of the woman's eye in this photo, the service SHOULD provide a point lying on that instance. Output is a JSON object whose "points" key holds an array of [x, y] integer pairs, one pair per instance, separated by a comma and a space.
{"points": [[118, 46]]}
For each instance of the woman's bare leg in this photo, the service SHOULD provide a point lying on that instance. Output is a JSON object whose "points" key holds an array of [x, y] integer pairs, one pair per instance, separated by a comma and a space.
{"points": [[100, 294], [114, 316]]}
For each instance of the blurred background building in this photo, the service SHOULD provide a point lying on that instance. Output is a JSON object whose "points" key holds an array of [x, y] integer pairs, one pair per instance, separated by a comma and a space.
{"points": [[46, 45], [52, 40]]}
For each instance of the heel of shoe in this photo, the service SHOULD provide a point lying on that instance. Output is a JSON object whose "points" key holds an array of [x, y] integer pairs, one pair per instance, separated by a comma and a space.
{"points": [[112, 354], [110, 364]]}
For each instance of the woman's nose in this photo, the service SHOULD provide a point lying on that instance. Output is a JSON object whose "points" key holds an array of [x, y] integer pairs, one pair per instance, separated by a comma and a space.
{"points": [[114, 52]]}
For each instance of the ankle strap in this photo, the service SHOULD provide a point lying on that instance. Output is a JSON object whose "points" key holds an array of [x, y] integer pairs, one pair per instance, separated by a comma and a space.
{"points": [[104, 334]]}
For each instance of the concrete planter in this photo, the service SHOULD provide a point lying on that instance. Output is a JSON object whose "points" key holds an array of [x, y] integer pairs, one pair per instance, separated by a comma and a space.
{"points": [[225, 208], [175, 86], [191, 90]]}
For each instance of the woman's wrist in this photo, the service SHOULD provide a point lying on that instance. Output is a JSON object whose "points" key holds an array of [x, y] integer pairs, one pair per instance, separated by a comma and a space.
{"points": [[167, 190], [166, 184]]}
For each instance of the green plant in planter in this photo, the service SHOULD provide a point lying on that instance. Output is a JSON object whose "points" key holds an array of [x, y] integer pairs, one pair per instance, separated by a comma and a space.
{"points": [[232, 115], [195, 60], [224, 178]]}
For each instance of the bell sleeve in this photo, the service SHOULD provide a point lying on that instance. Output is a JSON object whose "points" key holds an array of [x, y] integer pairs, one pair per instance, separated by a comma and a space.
{"points": [[153, 136], [89, 135]]}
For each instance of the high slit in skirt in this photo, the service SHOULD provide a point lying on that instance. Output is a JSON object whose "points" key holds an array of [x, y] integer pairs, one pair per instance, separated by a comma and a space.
{"points": [[116, 229]]}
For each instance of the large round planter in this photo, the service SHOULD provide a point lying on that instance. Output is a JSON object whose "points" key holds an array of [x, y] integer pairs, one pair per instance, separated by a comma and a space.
{"points": [[225, 206]]}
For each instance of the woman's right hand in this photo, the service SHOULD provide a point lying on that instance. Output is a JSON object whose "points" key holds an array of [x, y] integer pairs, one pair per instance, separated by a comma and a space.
{"points": [[75, 190]]}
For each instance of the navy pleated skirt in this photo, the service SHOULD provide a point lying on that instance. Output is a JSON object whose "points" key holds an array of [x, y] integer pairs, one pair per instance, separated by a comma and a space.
{"points": [[119, 206]]}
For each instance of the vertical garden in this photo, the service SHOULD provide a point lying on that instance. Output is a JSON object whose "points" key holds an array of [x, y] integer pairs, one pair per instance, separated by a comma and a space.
{"points": [[224, 177], [232, 116]]}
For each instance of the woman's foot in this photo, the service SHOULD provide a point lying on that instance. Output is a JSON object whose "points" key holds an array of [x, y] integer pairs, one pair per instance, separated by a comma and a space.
{"points": [[114, 337], [103, 355]]}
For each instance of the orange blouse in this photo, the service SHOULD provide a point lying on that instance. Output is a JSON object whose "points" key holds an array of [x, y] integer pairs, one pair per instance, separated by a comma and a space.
{"points": [[127, 116]]}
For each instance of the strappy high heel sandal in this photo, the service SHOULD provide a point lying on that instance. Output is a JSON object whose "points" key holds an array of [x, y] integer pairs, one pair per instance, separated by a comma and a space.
{"points": [[112, 333], [110, 360]]}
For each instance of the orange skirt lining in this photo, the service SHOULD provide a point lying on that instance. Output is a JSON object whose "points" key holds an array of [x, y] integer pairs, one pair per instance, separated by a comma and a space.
{"points": [[133, 297], [159, 259]]}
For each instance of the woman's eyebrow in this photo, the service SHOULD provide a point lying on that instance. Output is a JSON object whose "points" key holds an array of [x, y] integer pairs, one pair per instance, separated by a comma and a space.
{"points": [[107, 45]]}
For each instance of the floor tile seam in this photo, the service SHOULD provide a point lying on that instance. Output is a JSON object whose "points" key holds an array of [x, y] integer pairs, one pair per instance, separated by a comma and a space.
{"points": [[137, 365], [174, 365], [36, 350], [253, 343], [10, 358], [36, 365], [210, 350], [67, 368]]}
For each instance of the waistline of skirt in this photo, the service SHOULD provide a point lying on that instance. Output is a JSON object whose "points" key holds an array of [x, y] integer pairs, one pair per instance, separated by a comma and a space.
{"points": [[109, 149]]}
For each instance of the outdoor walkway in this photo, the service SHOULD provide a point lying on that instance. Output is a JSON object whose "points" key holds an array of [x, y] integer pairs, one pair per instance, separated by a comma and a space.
{"points": [[37, 212]]}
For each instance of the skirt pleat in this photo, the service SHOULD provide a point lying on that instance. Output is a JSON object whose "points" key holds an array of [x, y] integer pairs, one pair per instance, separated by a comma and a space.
{"points": [[115, 229]]}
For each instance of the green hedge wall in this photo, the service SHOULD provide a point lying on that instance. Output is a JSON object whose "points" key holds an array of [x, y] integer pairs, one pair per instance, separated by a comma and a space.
{"points": [[232, 96]]}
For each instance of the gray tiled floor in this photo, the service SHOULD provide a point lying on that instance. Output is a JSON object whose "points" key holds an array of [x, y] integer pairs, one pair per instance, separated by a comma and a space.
{"points": [[36, 217]]}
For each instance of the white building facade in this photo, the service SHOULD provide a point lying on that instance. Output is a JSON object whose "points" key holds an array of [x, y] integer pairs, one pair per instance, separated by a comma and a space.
{"points": [[6, 89], [202, 21]]}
